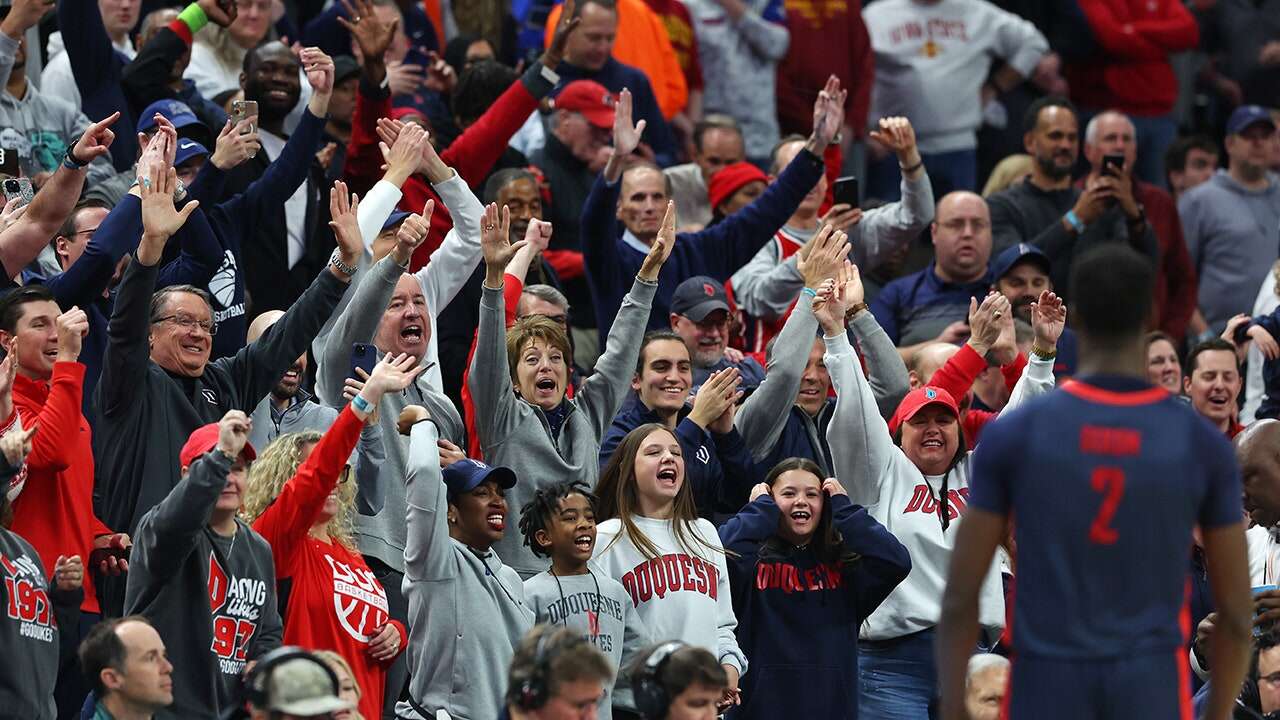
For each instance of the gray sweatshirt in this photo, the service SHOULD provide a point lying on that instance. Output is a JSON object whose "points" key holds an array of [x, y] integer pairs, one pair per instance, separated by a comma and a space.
{"points": [[28, 632], [1233, 236], [515, 434], [600, 608], [214, 597], [766, 286], [380, 530], [467, 611], [302, 414]]}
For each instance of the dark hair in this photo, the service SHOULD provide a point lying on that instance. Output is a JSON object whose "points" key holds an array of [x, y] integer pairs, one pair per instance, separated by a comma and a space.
{"points": [[504, 177], [11, 305], [537, 513], [827, 542], [1210, 345], [251, 58], [1111, 292], [479, 87], [650, 338], [683, 669], [549, 657], [1031, 118], [714, 121], [102, 649], [68, 229], [1175, 157], [455, 51]]}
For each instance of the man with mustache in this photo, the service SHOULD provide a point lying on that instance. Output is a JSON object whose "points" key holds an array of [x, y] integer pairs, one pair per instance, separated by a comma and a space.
{"points": [[1045, 210], [1021, 273]]}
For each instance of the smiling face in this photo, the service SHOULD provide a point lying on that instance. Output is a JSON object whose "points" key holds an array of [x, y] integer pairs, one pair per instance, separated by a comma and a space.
{"points": [[542, 374], [479, 517], [271, 78], [642, 202], [253, 19], [405, 326], [1213, 385], [659, 471], [1163, 366], [291, 381], [570, 535], [1260, 474], [815, 384], [930, 439], [145, 678], [666, 374], [1022, 284], [706, 339], [37, 334], [798, 494], [180, 343]]}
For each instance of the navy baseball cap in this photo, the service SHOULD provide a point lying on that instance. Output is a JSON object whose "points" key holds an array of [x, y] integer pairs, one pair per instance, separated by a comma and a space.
{"points": [[344, 66], [175, 111], [188, 149], [1247, 115], [1021, 252], [467, 474], [394, 219], [698, 297]]}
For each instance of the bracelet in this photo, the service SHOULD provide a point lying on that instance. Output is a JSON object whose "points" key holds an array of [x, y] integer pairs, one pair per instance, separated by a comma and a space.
{"points": [[362, 405], [1042, 353], [854, 310], [911, 169], [336, 261], [194, 17], [810, 292], [69, 160], [1074, 220]]}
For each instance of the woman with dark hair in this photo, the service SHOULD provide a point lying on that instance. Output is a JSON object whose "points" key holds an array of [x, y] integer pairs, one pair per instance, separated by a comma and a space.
{"points": [[670, 561], [802, 555], [1164, 369]]}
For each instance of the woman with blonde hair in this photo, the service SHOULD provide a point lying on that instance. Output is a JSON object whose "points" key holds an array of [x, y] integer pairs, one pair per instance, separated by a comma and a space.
{"points": [[300, 499], [348, 688], [651, 540]]}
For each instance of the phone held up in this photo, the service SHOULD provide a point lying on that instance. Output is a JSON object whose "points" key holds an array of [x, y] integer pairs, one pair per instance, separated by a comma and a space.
{"points": [[846, 191], [1113, 165]]}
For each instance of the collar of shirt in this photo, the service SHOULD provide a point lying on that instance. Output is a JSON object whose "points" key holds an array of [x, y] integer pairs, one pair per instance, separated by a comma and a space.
{"points": [[634, 242], [938, 284]]}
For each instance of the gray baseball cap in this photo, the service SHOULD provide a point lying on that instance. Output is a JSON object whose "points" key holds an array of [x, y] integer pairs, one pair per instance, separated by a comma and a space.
{"points": [[302, 687]]}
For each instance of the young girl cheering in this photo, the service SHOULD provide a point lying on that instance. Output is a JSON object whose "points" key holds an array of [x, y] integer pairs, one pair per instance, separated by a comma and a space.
{"points": [[669, 560], [802, 556], [560, 523]]}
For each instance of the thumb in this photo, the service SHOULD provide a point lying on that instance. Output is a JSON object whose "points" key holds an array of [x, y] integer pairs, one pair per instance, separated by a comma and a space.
{"points": [[427, 209], [188, 209], [640, 127]]}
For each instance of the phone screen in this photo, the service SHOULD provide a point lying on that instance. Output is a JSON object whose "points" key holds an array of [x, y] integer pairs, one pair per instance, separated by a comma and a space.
{"points": [[9, 162], [846, 191]]}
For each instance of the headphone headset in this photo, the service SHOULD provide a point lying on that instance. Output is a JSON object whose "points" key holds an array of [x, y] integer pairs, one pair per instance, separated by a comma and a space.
{"points": [[651, 697], [256, 685], [533, 689]]}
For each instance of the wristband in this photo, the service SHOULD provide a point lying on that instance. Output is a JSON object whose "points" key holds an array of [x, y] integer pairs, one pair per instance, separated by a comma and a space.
{"points": [[194, 17], [69, 160], [854, 310], [362, 405], [1042, 353], [813, 294], [911, 169], [1074, 220]]}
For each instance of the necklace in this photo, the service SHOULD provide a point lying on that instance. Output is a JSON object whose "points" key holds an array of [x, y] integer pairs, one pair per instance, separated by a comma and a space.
{"points": [[564, 615]]}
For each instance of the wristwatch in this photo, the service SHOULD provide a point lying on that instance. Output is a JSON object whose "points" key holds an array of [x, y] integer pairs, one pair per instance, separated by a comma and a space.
{"points": [[69, 160], [336, 260]]}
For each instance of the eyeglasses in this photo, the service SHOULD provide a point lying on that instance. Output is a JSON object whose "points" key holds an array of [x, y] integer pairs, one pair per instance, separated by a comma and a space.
{"points": [[188, 323]]}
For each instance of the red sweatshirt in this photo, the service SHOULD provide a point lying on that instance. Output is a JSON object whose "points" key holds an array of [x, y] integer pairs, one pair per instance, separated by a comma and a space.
{"points": [[818, 26], [472, 155], [335, 603], [1132, 73], [1176, 293], [55, 510], [957, 376]]}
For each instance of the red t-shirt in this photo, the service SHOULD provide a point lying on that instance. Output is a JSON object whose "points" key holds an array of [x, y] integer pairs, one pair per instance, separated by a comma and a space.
{"points": [[335, 602]]}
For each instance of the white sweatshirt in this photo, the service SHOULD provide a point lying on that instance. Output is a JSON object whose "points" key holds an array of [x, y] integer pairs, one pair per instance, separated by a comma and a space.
{"points": [[680, 596], [879, 476], [931, 61]]}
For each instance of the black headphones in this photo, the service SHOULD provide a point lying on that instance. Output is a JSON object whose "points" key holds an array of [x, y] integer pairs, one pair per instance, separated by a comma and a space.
{"points": [[651, 697], [256, 684], [533, 689]]}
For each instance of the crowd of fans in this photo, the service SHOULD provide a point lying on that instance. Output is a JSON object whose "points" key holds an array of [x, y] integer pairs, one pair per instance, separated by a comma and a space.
{"points": [[619, 358]]}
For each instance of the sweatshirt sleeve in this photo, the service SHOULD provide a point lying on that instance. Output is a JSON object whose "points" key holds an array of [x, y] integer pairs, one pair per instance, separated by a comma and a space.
{"points": [[86, 279], [1036, 380], [124, 364], [768, 40], [601, 394], [452, 263], [886, 373], [727, 650], [1017, 40], [1175, 32], [599, 240], [198, 257], [287, 520], [496, 406], [357, 323], [757, 522], [1114, 37], [888, 228], [363, 158], [474, 152], [765, 287], [959, 372], [169, 533], [763, 416], [426, 550], [58, 419], [883, 561], [861, 448], [738, 469], [146, 77]]}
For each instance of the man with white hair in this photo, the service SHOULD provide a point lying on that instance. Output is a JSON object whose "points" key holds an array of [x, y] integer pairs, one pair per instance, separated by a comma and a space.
{"points": [[984, 686]]}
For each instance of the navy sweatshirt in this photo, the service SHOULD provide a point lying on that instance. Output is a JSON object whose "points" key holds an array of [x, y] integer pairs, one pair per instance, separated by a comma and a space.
{"points": [[1270, 405], [719, 467], [798, 617], [97, 67], [718, 251], [616, 76]]}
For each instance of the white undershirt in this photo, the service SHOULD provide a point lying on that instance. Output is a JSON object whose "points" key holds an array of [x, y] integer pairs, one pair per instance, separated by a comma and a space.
{"points": [[295, 208]]}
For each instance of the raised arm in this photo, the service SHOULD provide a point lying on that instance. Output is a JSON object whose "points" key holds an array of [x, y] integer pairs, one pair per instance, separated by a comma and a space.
{"points": [[146, 79], [883, 561], [888, 228], [886, 373], [59, 417], [1048, 319], [426, 550]]}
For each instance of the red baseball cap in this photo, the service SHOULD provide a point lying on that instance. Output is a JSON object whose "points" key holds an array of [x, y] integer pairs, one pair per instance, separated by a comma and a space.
{"points": [[919, 399], [730, 179], [590, 98], [204, 439]]}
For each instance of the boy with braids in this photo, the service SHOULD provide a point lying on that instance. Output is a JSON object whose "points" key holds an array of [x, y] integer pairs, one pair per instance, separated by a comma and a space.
{"points": [[560, 523]]}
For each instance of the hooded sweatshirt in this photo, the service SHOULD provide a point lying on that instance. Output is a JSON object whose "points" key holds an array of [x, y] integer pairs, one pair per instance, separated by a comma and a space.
{"points": [[28, 633], [214, 595], [899, 496], [598, 607], [518, 434], [467, 610], [303, 414], [683, 593], [782, 594]]}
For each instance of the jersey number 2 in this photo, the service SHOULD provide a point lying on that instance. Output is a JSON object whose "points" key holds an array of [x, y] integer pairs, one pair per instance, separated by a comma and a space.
{"points": [[1110, 481]]}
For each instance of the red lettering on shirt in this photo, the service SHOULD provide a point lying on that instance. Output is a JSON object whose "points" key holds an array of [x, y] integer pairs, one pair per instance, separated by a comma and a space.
{"points": [[790, 579], [671, 573], [1116, 442], [917, 498]]}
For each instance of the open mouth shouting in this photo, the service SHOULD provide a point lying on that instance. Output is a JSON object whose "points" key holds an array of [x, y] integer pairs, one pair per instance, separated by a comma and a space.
{"points": [[584, 543], [411, 334], [668, 478], [496, 521], [801, 517]]}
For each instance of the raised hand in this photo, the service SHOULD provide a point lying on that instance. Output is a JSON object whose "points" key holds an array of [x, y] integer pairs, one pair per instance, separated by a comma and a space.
{"points": [[822, 256], [16, 444], [404, 78], [12, 213], [410, 416], [495, 242], [157, 150], [832, 487], [405, 153], [235, 144], [449, 453], [441, 77], [72, 326], [8, 370], [662, 245], [160, 219], [554, 54], [1265, 343], [1048, 319], [1005, 349], [841, 216], [96, 140], [372, 36], [716, 395], [538, 234], [984, 325], [897, 134], [391, 374], [233, 433], [343, 209], [626, 135], [430, 163], [23, 15], [758, 490], [219, 13], [412, 232], [318, 67], [828, 115], [831, 312]]}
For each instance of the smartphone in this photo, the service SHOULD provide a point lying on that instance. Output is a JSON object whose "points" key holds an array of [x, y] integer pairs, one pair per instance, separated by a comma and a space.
{"points": [[1257, 590], [243, 109], [846, 191], [18, 188], [364, 356], [8, 162], [1112, 164]]}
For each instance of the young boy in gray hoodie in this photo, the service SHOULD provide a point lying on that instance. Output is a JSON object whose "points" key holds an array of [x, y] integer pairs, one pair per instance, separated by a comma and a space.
{"points": [[466, 609]]}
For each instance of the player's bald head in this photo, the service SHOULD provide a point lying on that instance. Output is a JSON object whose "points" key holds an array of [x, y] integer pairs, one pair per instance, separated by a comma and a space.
{"points": [[1258, 451]]}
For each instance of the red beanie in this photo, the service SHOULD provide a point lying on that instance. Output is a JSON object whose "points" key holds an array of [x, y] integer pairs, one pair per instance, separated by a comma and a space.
{"points": [[730, 179]]}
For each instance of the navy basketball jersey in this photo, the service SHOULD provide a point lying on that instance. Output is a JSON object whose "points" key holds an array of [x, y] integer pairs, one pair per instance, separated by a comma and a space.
{"points": [[1104, 480]]}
